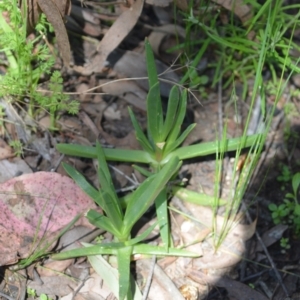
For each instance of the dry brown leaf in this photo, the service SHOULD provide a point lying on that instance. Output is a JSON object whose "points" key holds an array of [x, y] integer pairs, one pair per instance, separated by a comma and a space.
{"points": [[5, 150], [54, 13], [182, 4], [129, 91], [236, 290], [161, 35], [131, 64], [232, 248], [240, 9], [272, 236], [114, 36], [161, 3], [54, 286], [55, 10]]}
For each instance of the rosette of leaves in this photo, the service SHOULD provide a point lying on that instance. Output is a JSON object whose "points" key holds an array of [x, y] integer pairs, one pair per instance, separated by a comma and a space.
{"points": [[162, 143], [119, 221]]}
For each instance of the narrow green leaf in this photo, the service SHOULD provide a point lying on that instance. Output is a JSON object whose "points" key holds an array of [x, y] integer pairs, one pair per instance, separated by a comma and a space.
{"points": [[137, 156], [142, 236], [112, 205], [151, 66], [83, 184], [179, 118], [211, 147], [154, 115], [140, 136], [77, 150], [163, 216], [143, 171], [171, 111], [172, 146], [107, 249], [102, 164], [194, 197], [101, 221], [161, 251], [110, 275], [112, 248], [124, 256], [146, 193], [296, 183]]}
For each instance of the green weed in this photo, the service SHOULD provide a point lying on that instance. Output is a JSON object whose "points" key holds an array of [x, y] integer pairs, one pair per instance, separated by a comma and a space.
{"points": [[29, 60], [163, 154], [288, 212]]}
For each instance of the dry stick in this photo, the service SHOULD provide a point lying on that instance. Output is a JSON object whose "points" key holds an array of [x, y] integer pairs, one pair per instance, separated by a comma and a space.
{"points": [[6, 296], [268, 256], [149, 279]]}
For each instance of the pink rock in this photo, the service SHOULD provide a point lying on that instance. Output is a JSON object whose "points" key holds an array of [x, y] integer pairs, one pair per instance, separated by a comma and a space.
{"points": [[38, 204]]}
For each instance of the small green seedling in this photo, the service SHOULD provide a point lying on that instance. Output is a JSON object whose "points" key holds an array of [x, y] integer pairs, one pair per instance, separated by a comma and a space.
{"points": [[285, 176], [285, 245], [289, 210], [279, 212], [32, 294]]}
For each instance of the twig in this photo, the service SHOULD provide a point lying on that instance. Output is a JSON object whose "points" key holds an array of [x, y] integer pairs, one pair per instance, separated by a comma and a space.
{"points": [[277, 274], [6, 296], [149, 279]]}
